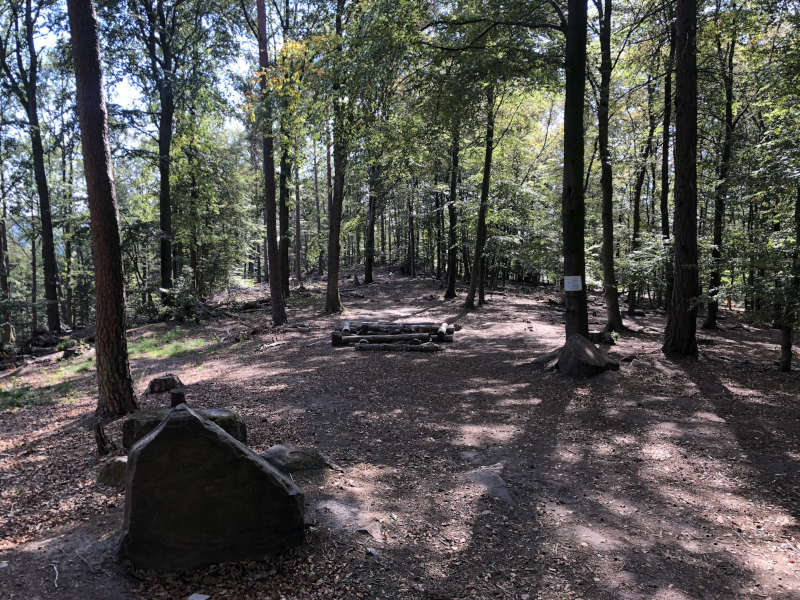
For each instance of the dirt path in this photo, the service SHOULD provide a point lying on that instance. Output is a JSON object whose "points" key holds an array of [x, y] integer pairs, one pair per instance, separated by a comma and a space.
{"points": [[468, 474]]}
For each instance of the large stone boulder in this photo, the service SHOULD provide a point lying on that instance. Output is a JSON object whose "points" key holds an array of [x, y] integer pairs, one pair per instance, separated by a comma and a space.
{"points": [[581, 358], [197, 496], [138, 424], [8, 334]]}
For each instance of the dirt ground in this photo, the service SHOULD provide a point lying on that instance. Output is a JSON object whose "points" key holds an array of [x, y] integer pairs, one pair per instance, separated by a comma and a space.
{"points": [[467, 474]]}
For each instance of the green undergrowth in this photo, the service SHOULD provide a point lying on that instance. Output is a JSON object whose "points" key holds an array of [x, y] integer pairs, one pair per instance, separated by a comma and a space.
{"points": [[166, 344], [16, 395]]}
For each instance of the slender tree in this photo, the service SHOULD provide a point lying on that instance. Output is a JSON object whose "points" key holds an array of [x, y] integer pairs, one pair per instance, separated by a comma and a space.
{"points": [[268, 157], [680, 334], [452, 248], [115, 388], [19, 61], [613, 316]]}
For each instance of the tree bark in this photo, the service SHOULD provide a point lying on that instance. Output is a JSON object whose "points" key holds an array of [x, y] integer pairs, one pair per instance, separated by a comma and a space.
{"points": [[680, 333], [268, 152], [319, 216], [297, 240], [480, 232], [412, 255], [452, 247], [647, 151], [369, 245], [333, 301], [721, 191], [573, 210], [115, 387], [614, 317], [664, 200]]}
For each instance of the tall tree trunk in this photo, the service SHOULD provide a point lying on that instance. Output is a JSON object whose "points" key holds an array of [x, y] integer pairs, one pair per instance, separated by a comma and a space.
{"points": [[647, 150], [614, 318], [298, 237], [791, 311], [319, 216], [722, 183], [5, 287], [286, 168], [115, 387], [680, 333], [268, 152], [333, 301], [369, 245], [573, 210], [164, 165], [412, 255], [452, 247], [34, 299], [480, 230], [664, 200]]}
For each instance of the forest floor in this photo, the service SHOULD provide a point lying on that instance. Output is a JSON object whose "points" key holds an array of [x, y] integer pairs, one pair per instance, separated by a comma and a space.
{"points": [[668, 479]]}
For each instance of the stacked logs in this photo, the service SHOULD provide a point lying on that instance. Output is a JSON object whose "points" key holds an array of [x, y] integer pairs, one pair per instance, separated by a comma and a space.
{"points": [[407, 337]]}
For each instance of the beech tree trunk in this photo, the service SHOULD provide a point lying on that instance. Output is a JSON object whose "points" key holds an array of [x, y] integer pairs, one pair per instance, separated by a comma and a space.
{"points": [[452, 247], [573, 210], [476, 281], [268, 151], [613, 316], [680, 333], [115, 387]]}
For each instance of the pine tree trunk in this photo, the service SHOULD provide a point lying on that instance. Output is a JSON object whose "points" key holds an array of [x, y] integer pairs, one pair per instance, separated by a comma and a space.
{"points": [[573, 210], [614, 318], [680, 333], [5, 287], [480, 231], [333, 301], [164, 166], [286, 168], [452, 247], [115, 387]]}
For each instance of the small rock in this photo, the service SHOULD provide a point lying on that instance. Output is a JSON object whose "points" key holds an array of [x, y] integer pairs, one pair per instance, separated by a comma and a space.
{"points": [[494, 484], [113, 472], [197, 596], [291, 459], [163, 384], [3, 564]]}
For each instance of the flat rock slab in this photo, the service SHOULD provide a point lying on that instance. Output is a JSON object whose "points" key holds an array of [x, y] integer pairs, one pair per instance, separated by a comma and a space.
{"points": [[197, 496], [291, 459], [488, 479], [139, 424]]}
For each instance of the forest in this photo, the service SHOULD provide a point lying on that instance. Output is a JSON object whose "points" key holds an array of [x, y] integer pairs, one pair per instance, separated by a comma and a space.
{"points": [[567, 231]]}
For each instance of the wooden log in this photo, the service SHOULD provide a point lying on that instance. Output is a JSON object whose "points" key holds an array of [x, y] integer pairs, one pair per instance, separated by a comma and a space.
{"points": [[346, 328], [428, 347], [441, 332], [393, 328], [386, 339]]}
